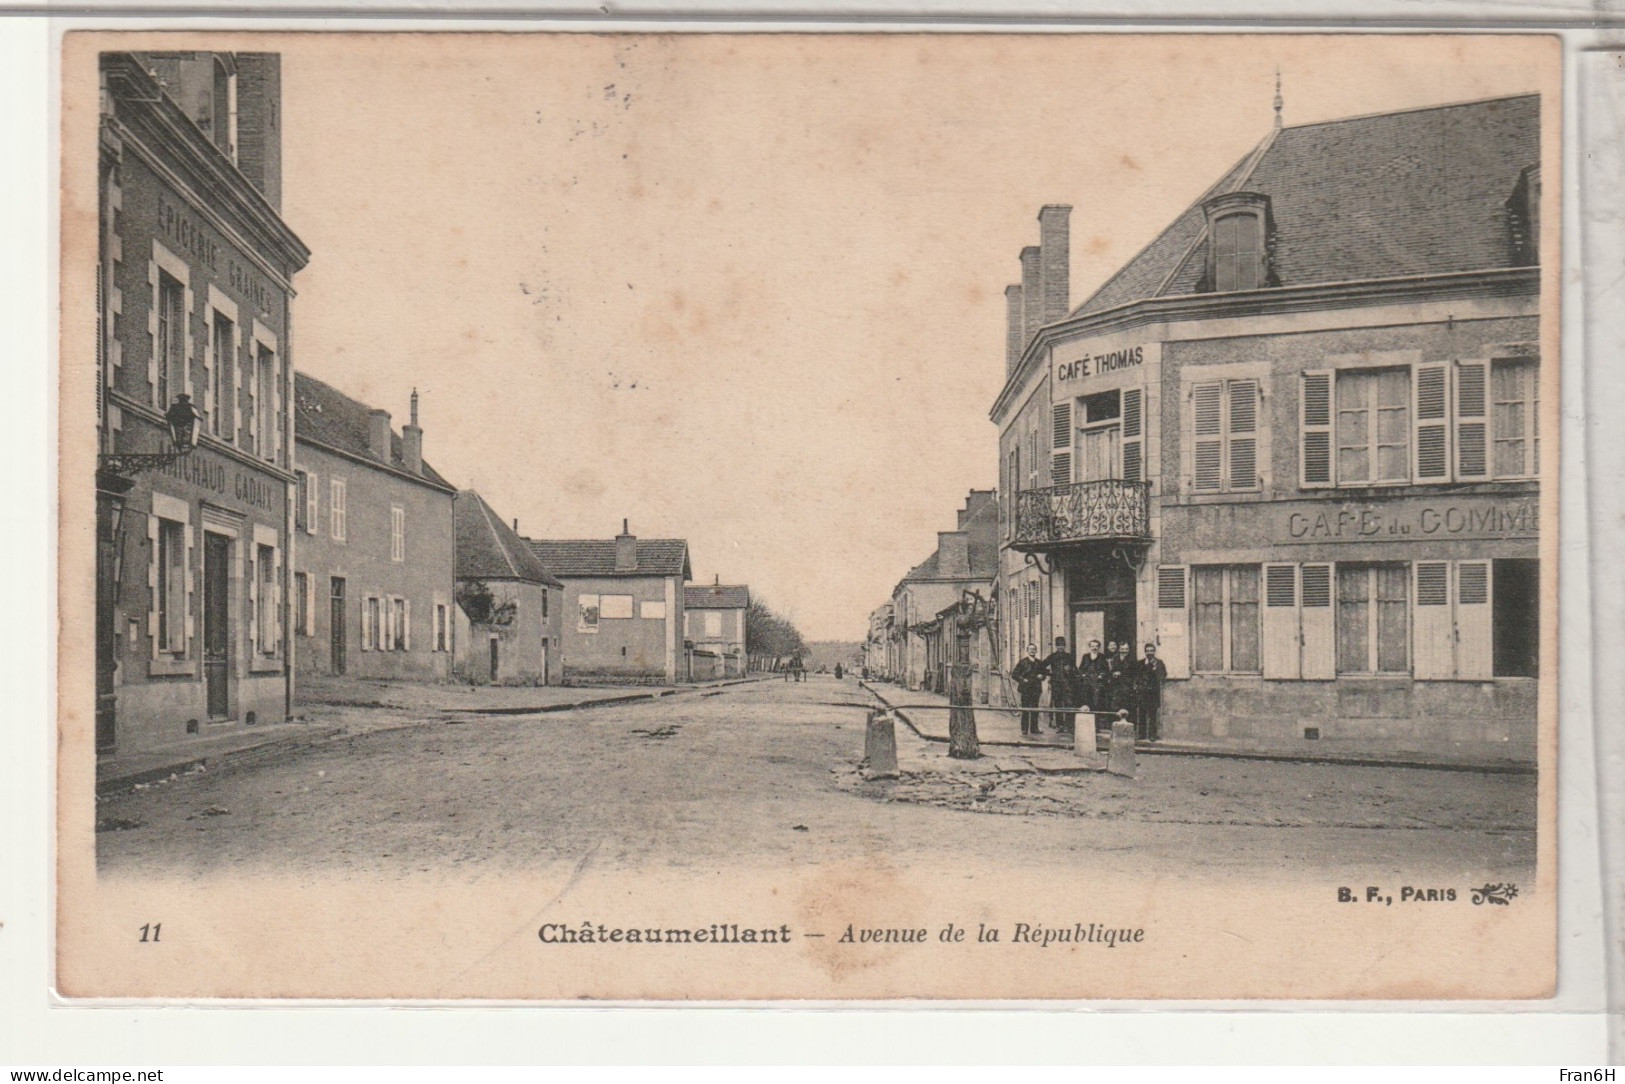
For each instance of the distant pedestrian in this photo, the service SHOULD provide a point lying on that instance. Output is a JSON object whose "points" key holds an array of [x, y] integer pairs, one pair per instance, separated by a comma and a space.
{"points": [[1150, 673], [1065, 685], [838, 671], [1028, 675]]}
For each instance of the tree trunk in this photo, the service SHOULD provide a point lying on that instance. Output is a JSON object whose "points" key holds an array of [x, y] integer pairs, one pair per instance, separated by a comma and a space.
{"points": [[962, 741]]}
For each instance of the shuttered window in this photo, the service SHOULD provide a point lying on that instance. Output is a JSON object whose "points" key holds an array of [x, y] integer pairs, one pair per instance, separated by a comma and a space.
{"points": [[1225, 618], [1515, 397], [1061, 441], [1373, 426], [1173, 640], [1133, 435], [1432, 422], [1373, 619], [1472, 421], [1207, 431], [1225, 427]]}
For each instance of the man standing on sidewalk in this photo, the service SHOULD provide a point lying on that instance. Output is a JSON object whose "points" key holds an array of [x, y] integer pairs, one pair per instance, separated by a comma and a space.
{"points": [[1028, 675], [1065, 687], [1093, 670], [1149, 675]]}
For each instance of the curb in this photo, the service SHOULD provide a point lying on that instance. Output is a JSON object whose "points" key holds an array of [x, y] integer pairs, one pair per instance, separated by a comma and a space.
{"points": [[281, 743], [1175, 750], [578, 705]]}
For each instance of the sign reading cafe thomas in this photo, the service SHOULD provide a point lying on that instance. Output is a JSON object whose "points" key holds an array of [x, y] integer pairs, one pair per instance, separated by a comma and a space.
{"points": [[1301, 459], [193, 280]]}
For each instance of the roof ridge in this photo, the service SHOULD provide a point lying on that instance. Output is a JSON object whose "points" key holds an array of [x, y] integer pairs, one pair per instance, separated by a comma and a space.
{"points": [[1464, 103], [496, 533]]}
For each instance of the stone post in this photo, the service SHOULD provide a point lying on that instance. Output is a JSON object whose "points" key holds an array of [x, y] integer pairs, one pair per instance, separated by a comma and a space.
{"points": [[880, 747], [1120, 761]]}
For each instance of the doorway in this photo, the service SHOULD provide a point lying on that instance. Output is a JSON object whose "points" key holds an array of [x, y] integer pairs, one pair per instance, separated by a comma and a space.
{"points": [[335, 624], [544, 661], [1100, 437], [494, 660], [217, 623]]}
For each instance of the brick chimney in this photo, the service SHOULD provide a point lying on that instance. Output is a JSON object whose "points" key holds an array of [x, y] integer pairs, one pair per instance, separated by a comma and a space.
{"points": [[259, 131], [1032, 294], [1014, 338], [1055, 261], [626, 549], [412, 440], [378, 442], [953, 554]]}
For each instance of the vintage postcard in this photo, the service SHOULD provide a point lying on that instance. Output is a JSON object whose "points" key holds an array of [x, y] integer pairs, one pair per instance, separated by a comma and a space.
{"points": [[712, 516]]}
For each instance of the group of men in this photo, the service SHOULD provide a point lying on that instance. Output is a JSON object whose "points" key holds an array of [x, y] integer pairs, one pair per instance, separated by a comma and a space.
{"points": [[1101, 682]]}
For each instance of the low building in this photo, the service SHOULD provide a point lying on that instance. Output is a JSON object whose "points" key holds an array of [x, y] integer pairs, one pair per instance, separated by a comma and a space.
{"points": [[714, 624], [965, 560], [510, 609], [877, 644], [373, 563], [1295, 441], [624, 604]]}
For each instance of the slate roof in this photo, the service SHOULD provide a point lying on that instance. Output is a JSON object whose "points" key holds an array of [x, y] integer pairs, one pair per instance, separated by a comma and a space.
{"points": [[1422, 191], [716, 596], [982, 548], [488, 549], [596, 556], [325, 415]]}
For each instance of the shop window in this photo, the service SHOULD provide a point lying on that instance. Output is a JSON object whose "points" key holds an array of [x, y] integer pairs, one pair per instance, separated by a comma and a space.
{"points": [[265, 617], [1373, 618], [397, 533], [171, 340], [171, 586], [1373, 426], [1224, 431], [1225, 618], [1516, 617], [614, 607]]}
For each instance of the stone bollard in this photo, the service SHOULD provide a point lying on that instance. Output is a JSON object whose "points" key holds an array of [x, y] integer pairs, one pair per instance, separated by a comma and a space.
{"points": [[880, 747], [1083, 733], [1120, 761]]}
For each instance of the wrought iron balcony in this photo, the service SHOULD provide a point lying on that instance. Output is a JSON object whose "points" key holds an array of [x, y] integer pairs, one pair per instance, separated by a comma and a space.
{"points": [[1109, 510]]}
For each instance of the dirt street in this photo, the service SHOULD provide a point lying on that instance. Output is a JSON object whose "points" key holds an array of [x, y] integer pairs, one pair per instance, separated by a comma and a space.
{"points": [[763, 775]]}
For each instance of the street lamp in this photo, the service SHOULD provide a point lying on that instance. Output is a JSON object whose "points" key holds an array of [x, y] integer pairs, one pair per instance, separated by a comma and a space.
{"points": [[183, 420]]}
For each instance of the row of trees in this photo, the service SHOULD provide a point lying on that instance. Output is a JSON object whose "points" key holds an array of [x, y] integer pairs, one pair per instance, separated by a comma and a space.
{"points": [[766, 633]]}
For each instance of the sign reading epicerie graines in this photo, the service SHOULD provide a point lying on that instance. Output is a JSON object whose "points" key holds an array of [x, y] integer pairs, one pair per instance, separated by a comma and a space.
{"points": [[1108, 361]]}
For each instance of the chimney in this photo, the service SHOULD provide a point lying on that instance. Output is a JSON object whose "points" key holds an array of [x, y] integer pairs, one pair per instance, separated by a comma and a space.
{"points": [[1014, 340], [1032, 294], [412, 440], [259, 129], [953, 554], [1055, 262], [378, 435], [626, 549]]}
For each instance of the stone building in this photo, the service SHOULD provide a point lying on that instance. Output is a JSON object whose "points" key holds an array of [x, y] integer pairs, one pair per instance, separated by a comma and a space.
{"points": [[965, 560], [510, 609], [714, 624]]}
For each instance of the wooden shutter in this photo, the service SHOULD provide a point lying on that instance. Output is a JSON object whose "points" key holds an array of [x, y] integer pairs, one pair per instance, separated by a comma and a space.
{"points": [[313, 503], [406, 619], [1173, 621], [1207, 431], [1472, 421], [1281, 643], [1133, 435], [1430, 400], [1241, 436], [1317, 635], [1435, 627], [1315, 429], [1061, 463], [1474, 632]]}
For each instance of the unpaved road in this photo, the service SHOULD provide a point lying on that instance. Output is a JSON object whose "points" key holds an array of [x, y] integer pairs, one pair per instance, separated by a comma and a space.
{"points": [[762, 776]]}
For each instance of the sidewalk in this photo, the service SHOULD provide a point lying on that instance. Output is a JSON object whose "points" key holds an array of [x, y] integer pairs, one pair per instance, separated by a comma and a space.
{"points": [[121, 771], [1001, 729]]}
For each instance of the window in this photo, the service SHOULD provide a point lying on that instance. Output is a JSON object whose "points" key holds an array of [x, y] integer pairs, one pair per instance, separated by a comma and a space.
{"points": [[265, 615], [266, 367], [1515, 410], [397, 624], [1373, 426], [397, 533], [337, 513], [171, 586], [654, 610], [301, 591], [1224, 431], [1099, 438], [1012, 490], [371, 619], [544, 603], [1373, 618], [442, 627], [301, 502], [713, 625], [220, 377], [1238, 252], [1224, 618], [171, 341], [1516, 617], [614, 607]]}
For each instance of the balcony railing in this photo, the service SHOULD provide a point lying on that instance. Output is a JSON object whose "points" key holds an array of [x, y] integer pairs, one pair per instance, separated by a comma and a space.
{"points": [[1103, 511]]}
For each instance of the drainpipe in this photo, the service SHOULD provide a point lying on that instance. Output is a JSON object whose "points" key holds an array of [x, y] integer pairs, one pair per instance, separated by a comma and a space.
{"points": [[288, 635]]}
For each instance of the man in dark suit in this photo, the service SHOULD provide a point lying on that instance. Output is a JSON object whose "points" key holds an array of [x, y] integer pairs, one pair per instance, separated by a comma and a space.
{"points": [[1065, 687], [1149, 674], [1093, 670], [1028, 674]]}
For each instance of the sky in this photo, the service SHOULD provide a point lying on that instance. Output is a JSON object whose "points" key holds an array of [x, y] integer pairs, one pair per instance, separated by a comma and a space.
{"points": [[747, 290]]}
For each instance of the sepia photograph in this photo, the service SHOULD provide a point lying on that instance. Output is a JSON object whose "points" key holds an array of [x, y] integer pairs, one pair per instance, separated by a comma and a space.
{"points": [[851, 516]]}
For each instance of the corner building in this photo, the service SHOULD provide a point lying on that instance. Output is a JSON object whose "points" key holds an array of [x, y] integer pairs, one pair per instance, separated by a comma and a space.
{"points": [[1295, 442], [194, 296]]}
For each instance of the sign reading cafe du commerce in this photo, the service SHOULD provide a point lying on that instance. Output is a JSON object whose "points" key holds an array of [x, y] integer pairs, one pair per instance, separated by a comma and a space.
{"points": [[1423, 519]]}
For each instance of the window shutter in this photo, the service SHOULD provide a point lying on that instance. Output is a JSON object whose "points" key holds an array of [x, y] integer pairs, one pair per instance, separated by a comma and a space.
{"points": [[310, 606], [1472, 421], [406, 619], [1207, 429], [1061, 463], [1474, 631], [1133, 435], [313, 504], [1173, 621], [1317, 635], [1281, 654], [1435, 632], [1061, 469], [1242, 434], [1315, 429], [1431, 396]]}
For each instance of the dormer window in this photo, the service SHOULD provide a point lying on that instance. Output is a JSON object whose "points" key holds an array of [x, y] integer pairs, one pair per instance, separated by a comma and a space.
{"points": [[1238, 243]]}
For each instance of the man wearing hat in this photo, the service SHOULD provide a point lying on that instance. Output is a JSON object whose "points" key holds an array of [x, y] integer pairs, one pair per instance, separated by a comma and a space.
{"points": [[1065, 685], [1149, 674]]}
